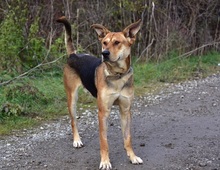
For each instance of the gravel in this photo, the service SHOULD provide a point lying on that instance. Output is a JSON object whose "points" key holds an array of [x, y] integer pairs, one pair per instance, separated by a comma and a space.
{"points": [[176, 128]]}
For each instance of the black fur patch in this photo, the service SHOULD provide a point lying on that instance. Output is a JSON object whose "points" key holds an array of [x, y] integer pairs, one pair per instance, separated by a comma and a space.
{"points": [[85, 65]]}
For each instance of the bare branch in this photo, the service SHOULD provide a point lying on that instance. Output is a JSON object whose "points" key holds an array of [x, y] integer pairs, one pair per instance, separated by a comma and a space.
{"points": [[29, 71], [152, 41], [194, 50]]}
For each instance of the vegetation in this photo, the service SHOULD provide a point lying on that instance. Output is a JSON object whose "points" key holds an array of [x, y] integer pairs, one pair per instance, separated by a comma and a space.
{"points": [[29, 34], [178, 41], [41, 97]]}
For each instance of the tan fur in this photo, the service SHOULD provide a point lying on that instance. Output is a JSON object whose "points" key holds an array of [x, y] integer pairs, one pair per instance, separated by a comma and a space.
{"points": [[114, 83]]}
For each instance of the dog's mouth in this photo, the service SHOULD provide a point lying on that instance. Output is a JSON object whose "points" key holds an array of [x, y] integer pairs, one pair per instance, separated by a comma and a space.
{"points": [[107, 59], [111, 61]]}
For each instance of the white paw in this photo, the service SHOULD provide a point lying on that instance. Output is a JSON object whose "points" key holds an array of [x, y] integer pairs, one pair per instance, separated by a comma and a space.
{"points": [[106, 165], [77, 144], [136, 160]]}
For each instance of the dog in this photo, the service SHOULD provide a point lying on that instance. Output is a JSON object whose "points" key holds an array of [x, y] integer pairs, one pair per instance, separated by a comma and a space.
{"points": [[109, 79]]}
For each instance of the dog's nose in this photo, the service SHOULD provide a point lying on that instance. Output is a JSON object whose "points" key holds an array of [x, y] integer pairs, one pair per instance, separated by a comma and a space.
{"points": [[106, 54]]}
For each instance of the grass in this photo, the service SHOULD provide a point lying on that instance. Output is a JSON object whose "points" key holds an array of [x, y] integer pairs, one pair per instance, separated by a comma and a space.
{"points": [[173, 70], [40, 97], [17, 123]]}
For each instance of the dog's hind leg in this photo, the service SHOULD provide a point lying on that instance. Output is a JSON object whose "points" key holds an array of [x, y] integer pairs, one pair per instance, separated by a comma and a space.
{"points": [[72, 83]]}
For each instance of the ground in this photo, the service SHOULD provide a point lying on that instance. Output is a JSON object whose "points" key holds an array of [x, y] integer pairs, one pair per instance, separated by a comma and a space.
{"points": [[177, 128]]}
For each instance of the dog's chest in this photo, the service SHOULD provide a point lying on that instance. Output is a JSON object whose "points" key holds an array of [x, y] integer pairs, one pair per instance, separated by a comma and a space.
{"points": [[111, 87], [117, 83]]}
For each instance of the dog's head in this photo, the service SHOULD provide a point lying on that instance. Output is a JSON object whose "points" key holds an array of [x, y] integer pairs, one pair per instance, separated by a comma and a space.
{"points": [[116, 46]]}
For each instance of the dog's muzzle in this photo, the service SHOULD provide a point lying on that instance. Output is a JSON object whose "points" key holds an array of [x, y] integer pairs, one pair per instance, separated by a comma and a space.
{"points": [[105, 55]]}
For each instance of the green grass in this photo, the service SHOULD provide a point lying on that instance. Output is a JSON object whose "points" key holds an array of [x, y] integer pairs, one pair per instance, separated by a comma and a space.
{"points": [[179, 69], [29, 101], [152, 75], [17, 123]]}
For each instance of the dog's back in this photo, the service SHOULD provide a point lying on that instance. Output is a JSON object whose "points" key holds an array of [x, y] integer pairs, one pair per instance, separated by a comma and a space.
{"points": [[85, 66]]}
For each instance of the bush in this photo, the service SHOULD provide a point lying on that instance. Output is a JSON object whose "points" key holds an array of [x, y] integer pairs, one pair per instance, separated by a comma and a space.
{"points": [[25, 95], [11, 43], [20, 43], [10, 110]]}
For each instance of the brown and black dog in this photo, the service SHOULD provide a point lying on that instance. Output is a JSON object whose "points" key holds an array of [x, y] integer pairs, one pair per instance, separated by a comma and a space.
{"points": [[109, 79]]}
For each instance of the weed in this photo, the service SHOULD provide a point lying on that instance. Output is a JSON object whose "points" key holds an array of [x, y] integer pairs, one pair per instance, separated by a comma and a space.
{"points": [[9, 110], [24, 94]]}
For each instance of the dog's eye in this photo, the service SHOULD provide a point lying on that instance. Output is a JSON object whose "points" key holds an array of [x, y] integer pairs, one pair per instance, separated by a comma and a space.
{"points": [[117, 42]]}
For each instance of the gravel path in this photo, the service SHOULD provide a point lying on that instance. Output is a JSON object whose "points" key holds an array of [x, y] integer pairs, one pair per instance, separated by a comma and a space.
{"points": [[175, 129]]}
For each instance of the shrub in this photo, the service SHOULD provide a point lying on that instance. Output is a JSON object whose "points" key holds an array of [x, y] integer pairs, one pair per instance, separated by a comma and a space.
{"points": [[11, 42], [25, 95], [10, 110]]}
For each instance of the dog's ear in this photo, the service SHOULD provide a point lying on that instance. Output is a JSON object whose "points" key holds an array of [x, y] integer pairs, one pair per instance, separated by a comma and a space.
{"points": [[131, 31], [100, 30]]}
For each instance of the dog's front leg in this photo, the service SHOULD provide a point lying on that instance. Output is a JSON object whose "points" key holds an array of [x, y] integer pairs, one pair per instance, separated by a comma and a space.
{"points": [[125, 105], [103, 127]]}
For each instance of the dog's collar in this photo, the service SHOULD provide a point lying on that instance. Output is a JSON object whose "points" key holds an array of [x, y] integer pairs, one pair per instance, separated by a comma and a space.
{"points": [[117, 75]]}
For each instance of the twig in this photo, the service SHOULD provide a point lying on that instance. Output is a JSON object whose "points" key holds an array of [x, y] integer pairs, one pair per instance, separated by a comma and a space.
{"points": [[153, 17], [152, 41], [194, 50], [183, 55], [29, 71]]}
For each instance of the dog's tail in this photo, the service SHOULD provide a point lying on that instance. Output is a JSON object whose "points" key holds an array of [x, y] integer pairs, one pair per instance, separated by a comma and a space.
{"points": [[68, 35]]}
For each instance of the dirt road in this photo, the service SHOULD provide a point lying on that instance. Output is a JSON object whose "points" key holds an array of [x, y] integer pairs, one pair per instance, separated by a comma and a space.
{"points": [[175, 129]]}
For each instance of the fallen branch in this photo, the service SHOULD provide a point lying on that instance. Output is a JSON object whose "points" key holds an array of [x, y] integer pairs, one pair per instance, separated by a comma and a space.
{"points": [[187, 54], [196, 49], [29, 71], [152, 41]]}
